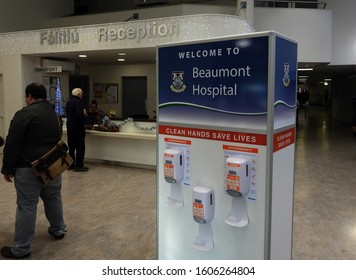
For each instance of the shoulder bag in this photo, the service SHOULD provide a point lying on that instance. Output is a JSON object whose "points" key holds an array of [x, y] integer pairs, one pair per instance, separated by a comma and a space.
{"points": [[54, 162]]}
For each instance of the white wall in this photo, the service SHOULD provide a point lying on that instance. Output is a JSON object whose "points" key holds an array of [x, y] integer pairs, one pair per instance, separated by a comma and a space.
{"points": [[344, 31], [13, 93], [312, 28]]}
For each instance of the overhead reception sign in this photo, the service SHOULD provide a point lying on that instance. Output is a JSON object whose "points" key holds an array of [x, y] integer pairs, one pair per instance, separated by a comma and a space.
{"points": [[119, 35]]}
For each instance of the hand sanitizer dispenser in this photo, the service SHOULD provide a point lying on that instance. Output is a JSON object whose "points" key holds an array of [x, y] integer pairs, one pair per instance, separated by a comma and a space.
{"points": [[237, 186], [174, 174], [238, 176], [203, 204], [203, 214], [173, 165]]}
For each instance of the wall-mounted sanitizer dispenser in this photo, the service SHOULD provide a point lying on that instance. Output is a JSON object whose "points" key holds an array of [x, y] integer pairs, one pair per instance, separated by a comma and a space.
{"points": [[237, 186], [174, 174], [173, 165], [203, 214]]}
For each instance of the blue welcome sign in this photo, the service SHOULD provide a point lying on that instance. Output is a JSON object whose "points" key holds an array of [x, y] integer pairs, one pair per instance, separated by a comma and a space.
{"points": [[208, 82]]}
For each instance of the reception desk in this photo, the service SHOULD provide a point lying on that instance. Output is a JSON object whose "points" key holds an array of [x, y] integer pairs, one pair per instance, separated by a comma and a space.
{"points": [[134, 144]]}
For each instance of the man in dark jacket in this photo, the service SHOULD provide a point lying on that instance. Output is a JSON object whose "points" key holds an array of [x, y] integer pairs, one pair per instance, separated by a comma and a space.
{"points": [[76, 129], [34, 130]]}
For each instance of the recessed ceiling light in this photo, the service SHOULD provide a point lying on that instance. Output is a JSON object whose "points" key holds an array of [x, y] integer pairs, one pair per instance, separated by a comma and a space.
{"points": [[121, 59], [121, 53], [82, 55], [305, 69]]}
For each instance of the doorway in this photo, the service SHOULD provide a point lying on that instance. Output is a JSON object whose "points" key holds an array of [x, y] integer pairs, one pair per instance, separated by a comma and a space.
{"points": [[134, 97]]}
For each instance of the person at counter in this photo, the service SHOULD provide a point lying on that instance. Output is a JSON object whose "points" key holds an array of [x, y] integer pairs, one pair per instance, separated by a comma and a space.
{"points": [[96, 115], [76, 129]]}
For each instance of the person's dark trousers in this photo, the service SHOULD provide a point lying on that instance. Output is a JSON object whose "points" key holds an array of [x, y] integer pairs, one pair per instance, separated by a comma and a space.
{"points": [[76, 144]]}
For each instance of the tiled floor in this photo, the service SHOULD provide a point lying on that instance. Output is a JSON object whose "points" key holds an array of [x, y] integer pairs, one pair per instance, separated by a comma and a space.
{"points": [[325, 189], [111, 211]]}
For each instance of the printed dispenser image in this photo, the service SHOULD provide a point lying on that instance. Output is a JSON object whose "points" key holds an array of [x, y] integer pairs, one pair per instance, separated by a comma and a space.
{"points": [[174, 174], [237, 186], [203, 214]]}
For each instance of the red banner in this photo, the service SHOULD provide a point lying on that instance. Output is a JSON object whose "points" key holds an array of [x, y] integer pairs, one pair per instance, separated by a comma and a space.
{"points": [[217, 135], [283, 139]]}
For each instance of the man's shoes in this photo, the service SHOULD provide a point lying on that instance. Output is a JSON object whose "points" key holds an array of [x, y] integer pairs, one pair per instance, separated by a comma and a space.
{"points": [[6, 253], [58, 234], [80, 169]]}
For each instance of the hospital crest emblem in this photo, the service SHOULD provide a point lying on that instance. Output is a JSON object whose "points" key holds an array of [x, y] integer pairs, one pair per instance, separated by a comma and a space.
{"points": [[286, 78], [178, 81]]}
